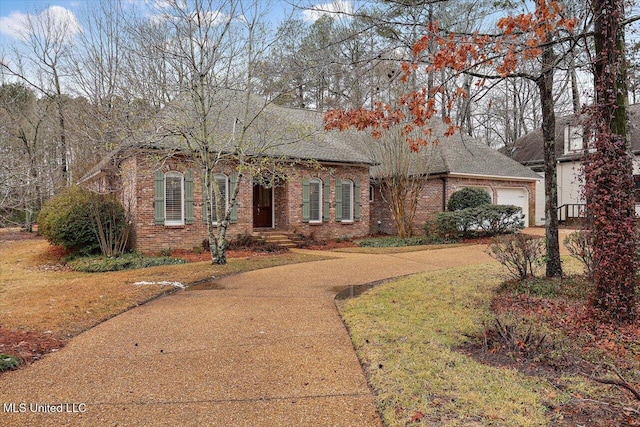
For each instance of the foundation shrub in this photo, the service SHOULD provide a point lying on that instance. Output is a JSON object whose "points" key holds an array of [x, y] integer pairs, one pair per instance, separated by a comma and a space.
{"points": [[468, 198], [480, 221], [69, 219]]}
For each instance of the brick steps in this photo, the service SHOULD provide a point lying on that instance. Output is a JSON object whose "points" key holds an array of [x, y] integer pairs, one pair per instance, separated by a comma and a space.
{"points": [[279, 238]]}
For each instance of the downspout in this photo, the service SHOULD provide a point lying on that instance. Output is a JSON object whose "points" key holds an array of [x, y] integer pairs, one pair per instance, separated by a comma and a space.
{"points": [[444, 193]]}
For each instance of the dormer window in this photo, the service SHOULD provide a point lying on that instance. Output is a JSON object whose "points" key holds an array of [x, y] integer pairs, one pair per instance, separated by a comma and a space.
{"points": [[573, 139]]}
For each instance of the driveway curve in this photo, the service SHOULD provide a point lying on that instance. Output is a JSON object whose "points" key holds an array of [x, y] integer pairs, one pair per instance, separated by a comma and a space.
{"points": [[262, 348]]}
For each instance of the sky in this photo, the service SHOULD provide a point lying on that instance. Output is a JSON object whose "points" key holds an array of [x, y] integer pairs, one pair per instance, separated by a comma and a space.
{"points": [[14, 13]]}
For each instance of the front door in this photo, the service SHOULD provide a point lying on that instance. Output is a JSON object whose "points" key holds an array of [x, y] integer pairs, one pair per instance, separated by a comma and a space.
{"points": [[262, 206]]}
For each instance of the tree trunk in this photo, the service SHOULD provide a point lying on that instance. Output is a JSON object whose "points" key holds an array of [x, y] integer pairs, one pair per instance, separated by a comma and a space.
{"points": [[609, 173], [545, 86]]}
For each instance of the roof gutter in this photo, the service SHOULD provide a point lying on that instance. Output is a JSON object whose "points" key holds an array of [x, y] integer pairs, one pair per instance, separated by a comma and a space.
{"points": [[495, 177], [91, 176]]}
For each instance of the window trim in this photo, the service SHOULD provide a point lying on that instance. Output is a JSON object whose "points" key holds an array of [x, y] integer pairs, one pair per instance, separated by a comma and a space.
{"points": [[571, 133], [372, 192], [181, 221], [320, 201], [350, 205]]}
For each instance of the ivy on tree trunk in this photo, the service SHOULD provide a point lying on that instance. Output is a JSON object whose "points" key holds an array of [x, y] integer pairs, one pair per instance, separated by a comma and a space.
{"points": [[609, 172]]}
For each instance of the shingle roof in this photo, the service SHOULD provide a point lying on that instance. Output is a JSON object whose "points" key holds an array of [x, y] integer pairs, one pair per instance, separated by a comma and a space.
{"points": [[529, 149], [467, 156], [274, 130], [462, 155]]}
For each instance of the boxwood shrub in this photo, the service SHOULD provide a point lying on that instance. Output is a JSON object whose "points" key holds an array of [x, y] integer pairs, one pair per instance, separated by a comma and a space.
{"points": [[468, 198], [480, 221], [68, 219]]}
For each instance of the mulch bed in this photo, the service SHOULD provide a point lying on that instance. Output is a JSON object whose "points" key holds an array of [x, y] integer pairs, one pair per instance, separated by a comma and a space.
{"points": [[28, 346], [571, 317]]}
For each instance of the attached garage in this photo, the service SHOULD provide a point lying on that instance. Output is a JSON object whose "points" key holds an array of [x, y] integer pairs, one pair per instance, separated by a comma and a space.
{"points": [[517, 196]]}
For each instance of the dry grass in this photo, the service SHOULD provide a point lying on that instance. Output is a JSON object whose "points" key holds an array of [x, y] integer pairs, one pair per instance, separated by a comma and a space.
{"points": [[406, 333], [36, 295]]}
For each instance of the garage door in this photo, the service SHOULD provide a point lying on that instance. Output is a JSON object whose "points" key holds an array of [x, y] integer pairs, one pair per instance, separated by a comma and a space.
{"points": [[515, 196]]}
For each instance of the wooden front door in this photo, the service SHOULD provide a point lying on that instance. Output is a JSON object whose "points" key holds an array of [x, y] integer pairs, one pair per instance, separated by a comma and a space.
{"points": [[262, 206]]}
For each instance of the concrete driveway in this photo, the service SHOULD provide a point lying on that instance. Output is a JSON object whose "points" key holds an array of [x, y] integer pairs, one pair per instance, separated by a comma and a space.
{"points": [[265, 348]]}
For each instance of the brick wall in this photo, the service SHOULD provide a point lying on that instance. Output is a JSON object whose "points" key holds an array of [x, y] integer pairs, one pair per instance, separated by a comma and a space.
{"points": [[332, 228], [137, 176]]}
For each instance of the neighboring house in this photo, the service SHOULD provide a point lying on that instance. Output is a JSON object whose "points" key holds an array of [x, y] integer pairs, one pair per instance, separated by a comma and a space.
{"points": [[457, 162], [529, 151], [327, 192]]}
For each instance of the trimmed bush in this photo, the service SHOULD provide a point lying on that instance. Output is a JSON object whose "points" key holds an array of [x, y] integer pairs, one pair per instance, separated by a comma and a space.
{"points": [[520, 254], [468, 198], [65, 220], [69, 219], [484, 220], [443, 226]]}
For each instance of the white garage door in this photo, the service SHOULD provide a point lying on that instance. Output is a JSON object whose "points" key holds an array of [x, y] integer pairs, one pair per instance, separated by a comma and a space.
{"points": [[515, 196]]}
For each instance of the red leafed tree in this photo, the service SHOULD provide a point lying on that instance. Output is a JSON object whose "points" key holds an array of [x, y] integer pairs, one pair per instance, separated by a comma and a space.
{"points": [[523, 46], [609, 172]]}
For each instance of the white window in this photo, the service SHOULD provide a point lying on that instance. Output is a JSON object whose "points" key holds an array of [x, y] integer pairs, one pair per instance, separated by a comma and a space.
{"points": [[347, 201], [222, 182], [573, 139], [372, 192], [174, 198], [315, 200]]}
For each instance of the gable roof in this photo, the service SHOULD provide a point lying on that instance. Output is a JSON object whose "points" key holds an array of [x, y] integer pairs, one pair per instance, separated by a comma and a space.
{"points": [[529, 149], [466, 156], [461, 155]]}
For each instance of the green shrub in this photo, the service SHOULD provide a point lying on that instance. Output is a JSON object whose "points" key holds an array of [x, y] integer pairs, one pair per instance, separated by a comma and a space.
{"points": [[484, 220], [520, 254], [65, 220], [8, 362], [130, 261], [468, 198], [70, 219], [392, 242], [443, 227]]}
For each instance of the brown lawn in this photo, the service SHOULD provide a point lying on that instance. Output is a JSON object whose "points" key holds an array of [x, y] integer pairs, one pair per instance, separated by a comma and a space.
{"points": [[43, 303]]}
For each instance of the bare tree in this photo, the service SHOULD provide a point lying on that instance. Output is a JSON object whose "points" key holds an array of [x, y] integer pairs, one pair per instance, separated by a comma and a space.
{"points": [[41, 62], [204, 54], [401, 173], [24, 176]]}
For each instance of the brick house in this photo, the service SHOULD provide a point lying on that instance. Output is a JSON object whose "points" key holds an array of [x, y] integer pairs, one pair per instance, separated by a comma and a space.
{"points": [[324, 193], [327, 191]]}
